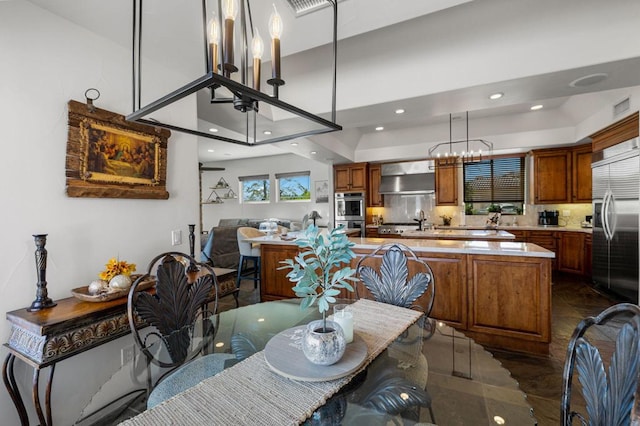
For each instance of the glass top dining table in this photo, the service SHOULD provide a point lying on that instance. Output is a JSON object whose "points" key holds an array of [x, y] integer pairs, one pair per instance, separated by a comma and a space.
{"points": [[431, 374]]}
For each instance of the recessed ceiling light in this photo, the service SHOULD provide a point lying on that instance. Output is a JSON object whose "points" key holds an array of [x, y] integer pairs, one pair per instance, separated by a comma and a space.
{"points": [[213, 130], [495, 96], [379, 128], [536, 107], [589, 80], [314, 152], [267, 132], [210, 150], [294, 143], [399, 111]]}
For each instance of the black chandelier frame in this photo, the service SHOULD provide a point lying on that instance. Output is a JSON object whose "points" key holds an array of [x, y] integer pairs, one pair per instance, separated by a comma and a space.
{"points": [[245, 98]]}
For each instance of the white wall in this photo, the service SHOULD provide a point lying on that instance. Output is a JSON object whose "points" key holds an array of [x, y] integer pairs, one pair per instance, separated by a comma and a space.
{"points": [[212, 213], [46, 62]]}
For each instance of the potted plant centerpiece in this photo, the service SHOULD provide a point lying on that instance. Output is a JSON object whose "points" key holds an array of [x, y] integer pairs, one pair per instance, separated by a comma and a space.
{"points": [[319, 272]]}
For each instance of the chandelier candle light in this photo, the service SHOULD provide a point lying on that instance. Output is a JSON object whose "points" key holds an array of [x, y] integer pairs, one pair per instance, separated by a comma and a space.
{"points": [[229, 33], [467, 155], [275, 30]]}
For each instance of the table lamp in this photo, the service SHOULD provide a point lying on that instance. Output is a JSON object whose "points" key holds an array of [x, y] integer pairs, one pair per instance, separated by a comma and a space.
{"points": [[315, 215]]}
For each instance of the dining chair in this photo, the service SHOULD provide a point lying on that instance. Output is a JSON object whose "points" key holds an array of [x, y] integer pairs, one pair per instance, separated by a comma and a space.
{"points": [[248, 253], [384, 275], [608, 396], [177, 332]]}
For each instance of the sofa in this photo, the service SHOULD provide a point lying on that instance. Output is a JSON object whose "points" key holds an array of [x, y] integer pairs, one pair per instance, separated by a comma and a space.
{"points": [[220, 245]]}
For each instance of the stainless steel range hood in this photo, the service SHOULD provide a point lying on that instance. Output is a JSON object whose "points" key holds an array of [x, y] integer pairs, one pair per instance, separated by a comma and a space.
{"points": [[411, 177]]}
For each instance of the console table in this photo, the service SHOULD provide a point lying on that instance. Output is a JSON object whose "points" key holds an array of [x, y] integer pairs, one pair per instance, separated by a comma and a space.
{"points": [[43, 338]]}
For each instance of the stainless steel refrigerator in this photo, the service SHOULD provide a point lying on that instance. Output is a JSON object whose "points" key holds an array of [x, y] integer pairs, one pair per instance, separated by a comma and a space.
{"points": [[616, 206]]}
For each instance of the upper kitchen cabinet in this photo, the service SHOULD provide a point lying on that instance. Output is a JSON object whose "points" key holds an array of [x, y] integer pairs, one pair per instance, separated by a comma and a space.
{"points": [[562, 175], [374, 198], [581, 177], [552, 176], [446, 184], [350, 177], [620, 131]]}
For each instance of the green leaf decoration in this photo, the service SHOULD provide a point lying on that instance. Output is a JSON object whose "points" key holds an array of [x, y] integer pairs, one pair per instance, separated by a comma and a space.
{"points": [[321, 269]]}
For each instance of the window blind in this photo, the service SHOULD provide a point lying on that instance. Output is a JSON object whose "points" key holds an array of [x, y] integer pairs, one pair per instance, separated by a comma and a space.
{"points": [[292, 174], [255, 177], [494, 180]]}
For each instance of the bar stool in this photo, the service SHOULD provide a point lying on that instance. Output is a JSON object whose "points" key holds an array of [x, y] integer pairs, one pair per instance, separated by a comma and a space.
{"points": [[248, 253]]}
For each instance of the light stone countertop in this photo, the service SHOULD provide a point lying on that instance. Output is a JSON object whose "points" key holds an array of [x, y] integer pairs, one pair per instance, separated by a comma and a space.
{"points": [[461, 234], [501, 248], [511, 227]]}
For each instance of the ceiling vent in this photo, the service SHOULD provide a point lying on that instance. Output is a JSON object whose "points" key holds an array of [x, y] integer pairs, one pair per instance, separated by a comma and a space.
{"points": [[621, 107], [302, 7]]}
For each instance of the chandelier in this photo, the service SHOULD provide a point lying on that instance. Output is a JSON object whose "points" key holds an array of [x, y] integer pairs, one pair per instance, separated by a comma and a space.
{"points": [[459, 152], [229, 94]]}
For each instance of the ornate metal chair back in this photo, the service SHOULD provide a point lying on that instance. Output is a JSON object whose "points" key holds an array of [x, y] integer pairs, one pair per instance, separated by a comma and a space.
{"points": [[608, 396], [175, 318], [394, 274]]}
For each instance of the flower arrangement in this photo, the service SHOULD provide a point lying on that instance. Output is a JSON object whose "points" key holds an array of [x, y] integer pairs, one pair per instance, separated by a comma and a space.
{"points": [[318, 271], [446, 219], [116, 267]]}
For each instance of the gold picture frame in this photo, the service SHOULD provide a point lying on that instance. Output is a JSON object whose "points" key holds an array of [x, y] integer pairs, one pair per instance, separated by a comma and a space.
{"points": [[110, 157]]}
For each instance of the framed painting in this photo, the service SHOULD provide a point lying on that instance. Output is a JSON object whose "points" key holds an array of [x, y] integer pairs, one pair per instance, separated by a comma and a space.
{"points": [[110, 157], [322, 191]]}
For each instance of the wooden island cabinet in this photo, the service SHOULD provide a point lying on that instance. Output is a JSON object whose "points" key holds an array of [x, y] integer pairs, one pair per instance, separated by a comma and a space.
{"points": [[500, 298]]}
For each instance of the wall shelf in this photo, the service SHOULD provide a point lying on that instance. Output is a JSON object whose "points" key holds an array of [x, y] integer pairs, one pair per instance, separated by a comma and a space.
{"points": [[220, 192]]}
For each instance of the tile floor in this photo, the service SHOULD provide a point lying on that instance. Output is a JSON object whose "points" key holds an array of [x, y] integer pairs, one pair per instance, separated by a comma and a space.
{"points": [[540, 377]]}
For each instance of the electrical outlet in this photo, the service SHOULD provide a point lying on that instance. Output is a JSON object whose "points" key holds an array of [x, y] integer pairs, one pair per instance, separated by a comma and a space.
{"points": [[127, 354], [566, 213], [176, 237]]}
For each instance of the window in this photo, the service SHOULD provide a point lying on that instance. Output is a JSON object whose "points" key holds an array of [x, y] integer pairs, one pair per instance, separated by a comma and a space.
{"points": [[495, 185], [295, 186], [255, 189]]}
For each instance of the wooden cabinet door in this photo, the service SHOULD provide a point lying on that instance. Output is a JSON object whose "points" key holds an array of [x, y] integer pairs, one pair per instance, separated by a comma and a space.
{"points": [[521, 236], [371, 232], [450, 281], [581, 178], [552, 177], [374, 198], [548, 240], [350, 177], [341, 178], [571, 257], [510, 297], [588, 252], [358, 177], [446, 184]]}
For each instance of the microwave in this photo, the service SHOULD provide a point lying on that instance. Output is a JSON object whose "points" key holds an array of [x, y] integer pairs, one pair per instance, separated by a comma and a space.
{"points": [[349, 206]]}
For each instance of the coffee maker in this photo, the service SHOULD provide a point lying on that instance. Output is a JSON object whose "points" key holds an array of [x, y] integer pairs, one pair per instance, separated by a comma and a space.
{"points": [[548, 217]]}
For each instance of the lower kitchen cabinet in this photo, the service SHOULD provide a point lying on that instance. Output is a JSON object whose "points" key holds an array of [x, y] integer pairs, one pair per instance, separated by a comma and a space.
{"points": [[572, 252], [588, 252], [548, 240], [451, 291], [371, 232]]}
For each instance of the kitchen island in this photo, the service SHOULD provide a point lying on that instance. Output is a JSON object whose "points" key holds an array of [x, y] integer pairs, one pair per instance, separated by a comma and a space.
{"points": [[497, 292]]}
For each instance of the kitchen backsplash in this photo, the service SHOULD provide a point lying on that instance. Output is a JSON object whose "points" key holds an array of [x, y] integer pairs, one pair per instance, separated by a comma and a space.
{"points": [[406, 208]]}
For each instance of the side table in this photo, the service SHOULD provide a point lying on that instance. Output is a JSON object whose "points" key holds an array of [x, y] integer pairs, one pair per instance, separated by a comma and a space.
{"points": [[43, 338]]}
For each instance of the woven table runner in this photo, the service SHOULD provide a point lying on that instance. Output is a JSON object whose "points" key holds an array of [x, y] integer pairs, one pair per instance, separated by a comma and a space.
{"points": [[251, 393]]}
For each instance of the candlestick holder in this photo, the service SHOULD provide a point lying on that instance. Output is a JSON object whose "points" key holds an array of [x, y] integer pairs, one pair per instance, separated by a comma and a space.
{"points": [[42, 300], [192, 269]]}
